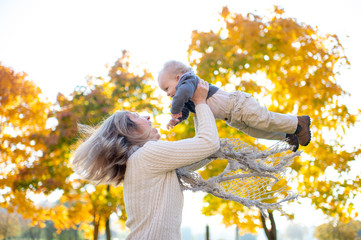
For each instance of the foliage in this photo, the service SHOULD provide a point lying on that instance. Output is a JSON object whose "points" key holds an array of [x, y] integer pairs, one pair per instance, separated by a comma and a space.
{"points": [[90, 105], [336, 230], [23, 117], [14, 226], [9, 224], [291, 68], [83, 203]]}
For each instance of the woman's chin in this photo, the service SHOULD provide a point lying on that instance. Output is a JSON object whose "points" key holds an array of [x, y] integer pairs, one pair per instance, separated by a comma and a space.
{"points": [[155, 134]]}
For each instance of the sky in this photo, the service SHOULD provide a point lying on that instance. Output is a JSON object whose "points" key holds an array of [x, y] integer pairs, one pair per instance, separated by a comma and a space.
{"points": [[59, 43]]}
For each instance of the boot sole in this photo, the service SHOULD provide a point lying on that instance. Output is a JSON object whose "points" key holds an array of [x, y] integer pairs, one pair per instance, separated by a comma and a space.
{"points": [[309, 131]]}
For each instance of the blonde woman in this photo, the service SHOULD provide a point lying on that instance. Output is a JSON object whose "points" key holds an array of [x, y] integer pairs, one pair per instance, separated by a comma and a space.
{"points": [[127, 148]]}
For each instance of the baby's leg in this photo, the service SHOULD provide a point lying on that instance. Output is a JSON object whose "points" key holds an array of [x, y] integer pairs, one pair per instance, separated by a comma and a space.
{"points": [[250, 113], [257, 133], [291, 139]]}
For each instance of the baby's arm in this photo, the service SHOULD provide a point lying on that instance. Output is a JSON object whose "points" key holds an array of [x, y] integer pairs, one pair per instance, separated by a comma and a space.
{"points": [[184, 92], [172, 123], [175, 120]]}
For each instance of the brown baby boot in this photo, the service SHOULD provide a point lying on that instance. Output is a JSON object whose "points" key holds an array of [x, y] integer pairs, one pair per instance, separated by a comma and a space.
{"points": [[292, 140], [303, 131]]}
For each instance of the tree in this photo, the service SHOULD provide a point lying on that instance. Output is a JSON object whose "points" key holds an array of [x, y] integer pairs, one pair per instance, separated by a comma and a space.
{"points": [[82, 203], [336, 230], [36, 157], [9, 224], [293, 69], [23, 117], [32, 232]]}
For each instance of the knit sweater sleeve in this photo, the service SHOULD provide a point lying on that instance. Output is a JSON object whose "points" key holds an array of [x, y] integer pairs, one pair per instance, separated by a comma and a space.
{"points": [[164, 156]]}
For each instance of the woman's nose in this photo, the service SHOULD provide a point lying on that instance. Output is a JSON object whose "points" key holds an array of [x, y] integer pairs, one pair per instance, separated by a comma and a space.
{"points": [[146, 117]]}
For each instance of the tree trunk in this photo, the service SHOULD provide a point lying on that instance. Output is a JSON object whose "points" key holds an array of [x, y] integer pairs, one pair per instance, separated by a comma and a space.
{"points": [[96, 228], [107, 222], [107, 229], [237, 233], [6, 227], [76, 237], [207, 232], [271, 232]]}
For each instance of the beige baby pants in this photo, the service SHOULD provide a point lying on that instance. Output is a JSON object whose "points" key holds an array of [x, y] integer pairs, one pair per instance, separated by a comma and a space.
{"points": [[247, 115]]}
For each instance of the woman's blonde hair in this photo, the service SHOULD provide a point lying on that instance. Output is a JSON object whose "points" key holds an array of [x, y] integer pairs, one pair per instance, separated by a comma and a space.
{"points": [[103, 153]]}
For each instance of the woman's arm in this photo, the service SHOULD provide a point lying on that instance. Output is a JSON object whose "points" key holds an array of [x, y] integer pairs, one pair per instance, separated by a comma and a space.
{"points": [[163, 156], [167, 156]]}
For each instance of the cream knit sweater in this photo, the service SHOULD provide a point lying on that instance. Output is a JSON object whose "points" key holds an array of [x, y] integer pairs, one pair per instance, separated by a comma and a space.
{"points": [[152, 195]]}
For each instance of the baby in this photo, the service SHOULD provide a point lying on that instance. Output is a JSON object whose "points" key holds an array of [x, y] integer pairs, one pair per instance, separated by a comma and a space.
{"points": [[238, 109]]}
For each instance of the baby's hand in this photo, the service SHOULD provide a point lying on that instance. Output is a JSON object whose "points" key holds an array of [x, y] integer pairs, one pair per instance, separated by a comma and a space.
{"points": [[172, 123], [178, 115]]}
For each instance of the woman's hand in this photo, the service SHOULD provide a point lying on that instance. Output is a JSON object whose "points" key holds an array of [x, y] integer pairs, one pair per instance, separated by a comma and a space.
{"points": [[200, 95]]}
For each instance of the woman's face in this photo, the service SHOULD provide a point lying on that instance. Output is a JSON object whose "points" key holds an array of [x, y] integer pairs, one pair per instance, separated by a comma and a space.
{"points": [[144, 125]]}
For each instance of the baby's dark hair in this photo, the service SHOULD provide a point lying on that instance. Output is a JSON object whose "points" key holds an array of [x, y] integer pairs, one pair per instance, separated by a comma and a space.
{"points": [[175, 67]]}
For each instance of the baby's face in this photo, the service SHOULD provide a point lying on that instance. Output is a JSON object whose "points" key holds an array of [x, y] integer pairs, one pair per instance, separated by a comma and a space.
{"points": [[168, 82]]}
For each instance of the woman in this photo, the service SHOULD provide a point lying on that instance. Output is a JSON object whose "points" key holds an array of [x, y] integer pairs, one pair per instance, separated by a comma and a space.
{"points": [[126, 147]]}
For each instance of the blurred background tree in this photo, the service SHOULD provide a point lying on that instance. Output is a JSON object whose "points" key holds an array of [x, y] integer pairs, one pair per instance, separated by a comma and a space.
{"points": [[337, 230], [291, 68], [122, 90], [9, 224], [23, 117]]}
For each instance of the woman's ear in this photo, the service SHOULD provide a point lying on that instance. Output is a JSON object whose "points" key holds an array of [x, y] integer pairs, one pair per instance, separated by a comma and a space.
{"points": [[177, 77]]}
